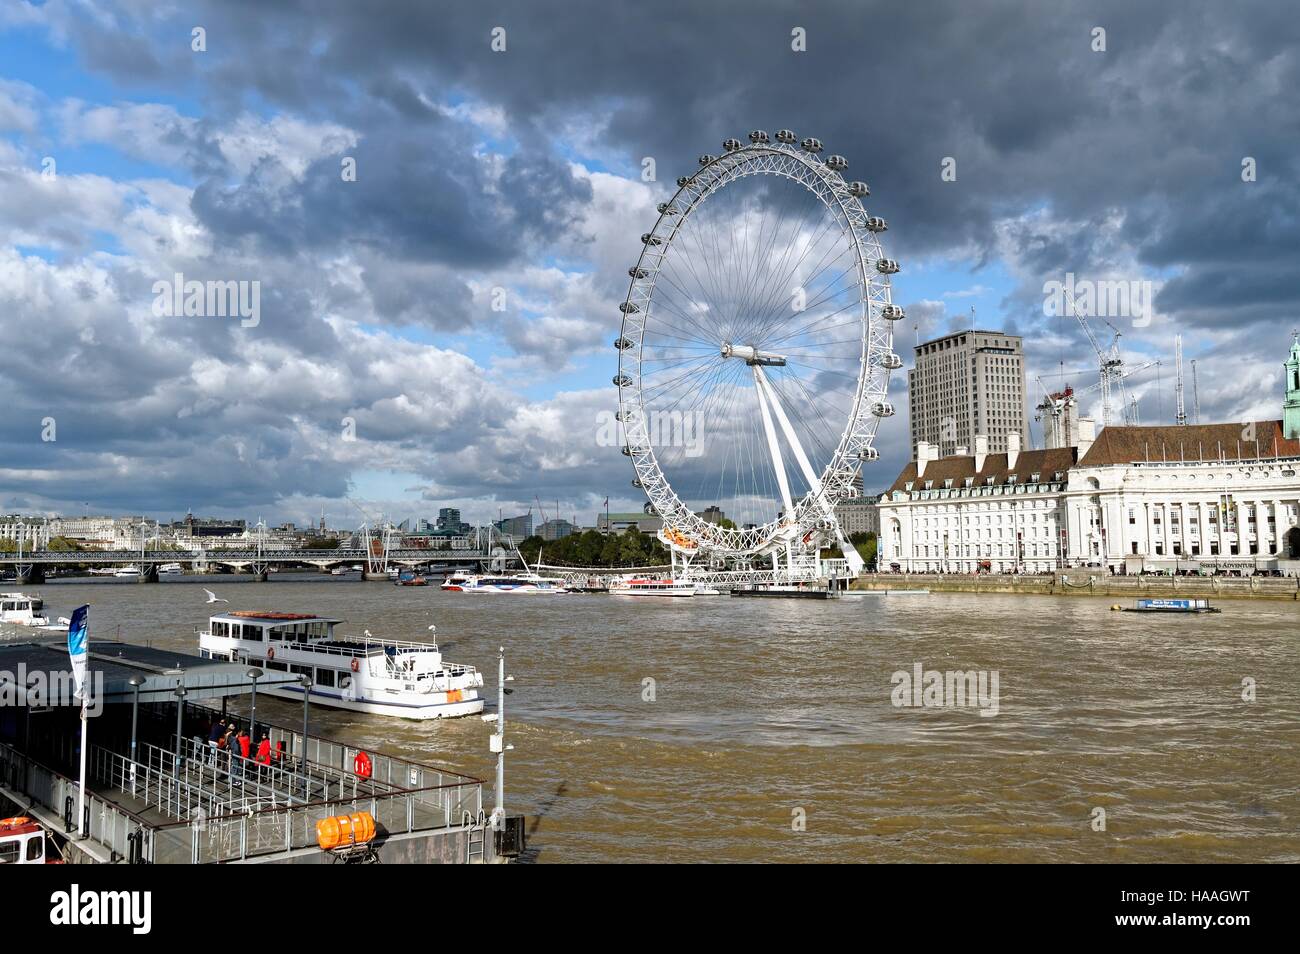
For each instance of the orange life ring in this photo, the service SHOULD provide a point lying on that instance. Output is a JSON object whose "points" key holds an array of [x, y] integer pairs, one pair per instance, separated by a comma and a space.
{"points": [[16, 822], [356, 665], [361, 765], [270, 653]]}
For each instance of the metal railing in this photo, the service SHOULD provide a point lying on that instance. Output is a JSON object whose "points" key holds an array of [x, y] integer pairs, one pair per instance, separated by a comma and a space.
{"points": [[123, 833]]}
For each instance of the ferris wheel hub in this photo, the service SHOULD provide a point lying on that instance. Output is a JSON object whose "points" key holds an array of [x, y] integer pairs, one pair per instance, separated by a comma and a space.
{"points": [[752, 356]]}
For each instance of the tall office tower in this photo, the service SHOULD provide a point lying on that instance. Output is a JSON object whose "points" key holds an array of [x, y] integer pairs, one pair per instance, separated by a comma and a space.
{"points": [[967, 383]]}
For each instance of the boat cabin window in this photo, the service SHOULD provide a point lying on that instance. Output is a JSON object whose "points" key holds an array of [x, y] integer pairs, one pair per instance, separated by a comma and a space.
{"points": [[325, 677], [35, 849], [9, 852], [298, 632]]}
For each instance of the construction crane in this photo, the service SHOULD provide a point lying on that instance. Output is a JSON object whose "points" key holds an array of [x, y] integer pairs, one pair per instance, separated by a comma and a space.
{"points": [[1057, 410], [1110, 366], [1180, 413]]}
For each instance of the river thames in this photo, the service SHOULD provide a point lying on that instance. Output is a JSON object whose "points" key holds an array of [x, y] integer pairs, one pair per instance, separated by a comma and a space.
{"points": [[769, 734]]}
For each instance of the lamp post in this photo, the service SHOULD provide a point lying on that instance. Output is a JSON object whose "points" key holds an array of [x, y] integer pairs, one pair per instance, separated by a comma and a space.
{"points": [[302, 756], [180, 712], [253, 674], [135, 682]]}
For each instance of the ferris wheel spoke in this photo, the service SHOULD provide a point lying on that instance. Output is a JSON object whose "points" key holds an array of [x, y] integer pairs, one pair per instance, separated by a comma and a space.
{"points": [[780, 287], [776, 314], [705, 336], [808, 326]]}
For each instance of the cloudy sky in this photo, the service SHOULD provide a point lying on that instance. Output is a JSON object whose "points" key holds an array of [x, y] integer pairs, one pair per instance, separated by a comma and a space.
{"points": [[514, 179]]}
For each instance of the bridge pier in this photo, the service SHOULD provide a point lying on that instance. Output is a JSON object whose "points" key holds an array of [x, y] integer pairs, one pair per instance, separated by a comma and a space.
{"points": [[26, 575], [148, 574], [368, 577], [259, 576]]}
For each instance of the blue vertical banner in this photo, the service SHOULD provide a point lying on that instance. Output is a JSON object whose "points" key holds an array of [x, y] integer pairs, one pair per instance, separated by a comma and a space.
{"points": [[79, 647]]}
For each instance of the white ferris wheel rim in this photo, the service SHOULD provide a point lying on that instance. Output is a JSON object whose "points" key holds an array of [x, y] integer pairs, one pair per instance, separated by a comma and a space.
{"points": [[813, 511]]}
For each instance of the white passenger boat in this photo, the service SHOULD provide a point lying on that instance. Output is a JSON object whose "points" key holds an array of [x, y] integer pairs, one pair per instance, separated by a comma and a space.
{"points": [[641, 586], [170, 569], [22, 610], [390, 677], [455, 581], [127, 571], [524, 583]]}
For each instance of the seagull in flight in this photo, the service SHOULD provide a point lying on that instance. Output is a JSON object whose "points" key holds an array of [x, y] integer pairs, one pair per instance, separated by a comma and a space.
{"points": [[213, 598]]}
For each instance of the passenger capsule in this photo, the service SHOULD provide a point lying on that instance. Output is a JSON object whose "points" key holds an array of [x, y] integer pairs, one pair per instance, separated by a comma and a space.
{"points": [[650, 239], [637, 272], [811, 145], [682, 180], [786, 136], [876, 224], [666, 209], [629, 308], [893, 313], [890, 361], [622, 380], [868, 453], [758, 136], [731, 145], [882, 409], [627, 451], [859, 189], [887, 266], [636, 481], [622, 344], [838, 163], [706, 159]]}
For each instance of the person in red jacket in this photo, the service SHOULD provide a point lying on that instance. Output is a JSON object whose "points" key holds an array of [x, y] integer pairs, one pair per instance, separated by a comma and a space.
{"points": [[264, 750]]}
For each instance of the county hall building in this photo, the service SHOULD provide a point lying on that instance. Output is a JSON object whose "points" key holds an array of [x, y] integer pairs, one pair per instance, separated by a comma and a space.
{"points": [[1176, 498]]}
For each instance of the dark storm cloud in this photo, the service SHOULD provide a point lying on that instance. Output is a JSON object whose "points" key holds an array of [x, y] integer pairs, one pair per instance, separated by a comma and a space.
{"points": [[1156, 125], [419, 195]]}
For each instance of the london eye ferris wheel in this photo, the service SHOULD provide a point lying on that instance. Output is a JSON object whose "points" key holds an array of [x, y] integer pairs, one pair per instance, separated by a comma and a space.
{"points": [[758, 323]]}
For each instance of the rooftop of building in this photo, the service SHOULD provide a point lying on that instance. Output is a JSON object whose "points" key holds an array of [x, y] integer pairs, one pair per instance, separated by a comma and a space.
{"points": [[1045, 463], [1241, 440], [966, 331]]}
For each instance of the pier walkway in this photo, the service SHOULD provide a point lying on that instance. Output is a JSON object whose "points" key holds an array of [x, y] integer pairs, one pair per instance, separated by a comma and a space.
{"points": [[158, 792]]}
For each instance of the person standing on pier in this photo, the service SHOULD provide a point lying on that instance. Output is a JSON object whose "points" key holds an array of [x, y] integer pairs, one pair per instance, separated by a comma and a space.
{"points": [[232, 748], [215, 735]]}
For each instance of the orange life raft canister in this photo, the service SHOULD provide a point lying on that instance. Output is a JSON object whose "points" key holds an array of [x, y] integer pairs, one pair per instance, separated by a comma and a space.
{"points": [[339, 831]]}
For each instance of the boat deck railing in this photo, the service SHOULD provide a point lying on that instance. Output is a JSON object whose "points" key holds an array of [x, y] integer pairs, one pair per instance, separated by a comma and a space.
{"points": [[359, 646]]}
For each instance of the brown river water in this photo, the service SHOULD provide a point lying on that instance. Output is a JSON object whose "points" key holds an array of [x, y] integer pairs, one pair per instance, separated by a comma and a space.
{"points": [[771, 735]]}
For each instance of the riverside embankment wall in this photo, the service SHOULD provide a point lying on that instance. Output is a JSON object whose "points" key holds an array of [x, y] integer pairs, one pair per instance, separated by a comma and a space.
{"points": [[1081, 583]]}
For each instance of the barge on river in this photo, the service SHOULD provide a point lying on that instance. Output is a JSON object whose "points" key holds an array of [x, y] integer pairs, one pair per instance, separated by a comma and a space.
{"points": [[1187, 605]]}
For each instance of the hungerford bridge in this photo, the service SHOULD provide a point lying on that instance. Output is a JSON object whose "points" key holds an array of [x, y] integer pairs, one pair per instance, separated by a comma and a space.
{"points": [[32, 566]]}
